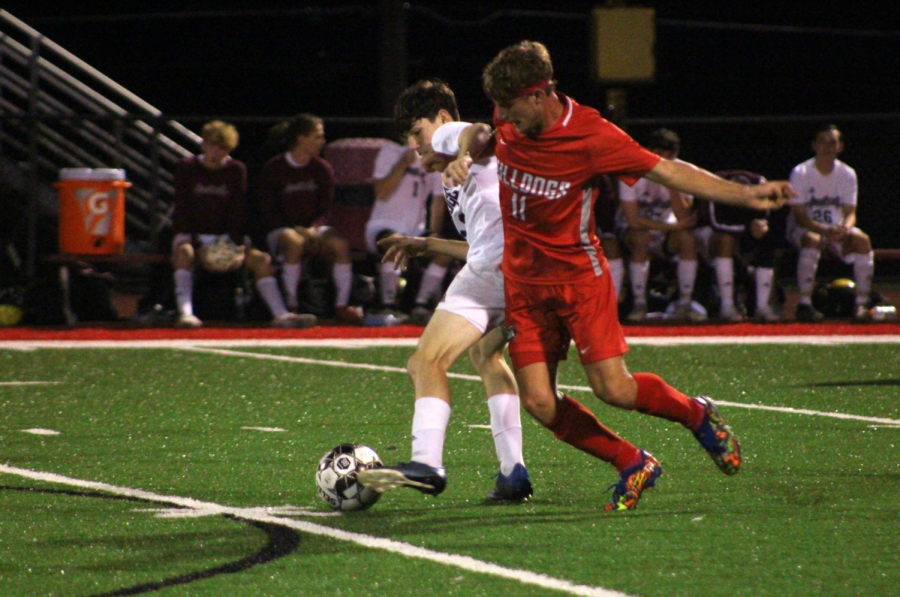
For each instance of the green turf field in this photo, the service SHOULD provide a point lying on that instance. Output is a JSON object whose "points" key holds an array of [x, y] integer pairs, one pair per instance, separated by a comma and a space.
{"points": [[814, 511]]}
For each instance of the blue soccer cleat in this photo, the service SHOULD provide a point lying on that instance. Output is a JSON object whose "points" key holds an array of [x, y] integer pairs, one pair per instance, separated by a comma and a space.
{"points": [[513, 488]]}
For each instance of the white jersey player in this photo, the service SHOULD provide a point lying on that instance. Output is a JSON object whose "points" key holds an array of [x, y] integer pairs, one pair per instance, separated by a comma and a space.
{"points": [[469, 316], [823, 216], [402, 191], [652, 220], [403, 208]]}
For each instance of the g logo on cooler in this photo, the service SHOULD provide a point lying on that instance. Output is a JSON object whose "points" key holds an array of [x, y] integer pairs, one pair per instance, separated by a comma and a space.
{"points": [[98, 203]]}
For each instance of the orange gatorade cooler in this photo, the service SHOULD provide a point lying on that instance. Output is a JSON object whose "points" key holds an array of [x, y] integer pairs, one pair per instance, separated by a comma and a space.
{"points": [[92, 210]]}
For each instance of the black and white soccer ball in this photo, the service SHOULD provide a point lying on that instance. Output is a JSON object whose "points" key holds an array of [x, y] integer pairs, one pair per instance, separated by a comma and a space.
{"points": [[222, 255], [336, 477]]}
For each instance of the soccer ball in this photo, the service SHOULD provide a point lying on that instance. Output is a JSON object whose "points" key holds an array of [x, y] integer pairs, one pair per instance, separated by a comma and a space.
{"points": [[222, 255], [336, 477]]}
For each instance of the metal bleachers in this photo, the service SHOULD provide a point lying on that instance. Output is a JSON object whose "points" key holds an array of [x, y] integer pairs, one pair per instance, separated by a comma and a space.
{"points": [[58, 112]]}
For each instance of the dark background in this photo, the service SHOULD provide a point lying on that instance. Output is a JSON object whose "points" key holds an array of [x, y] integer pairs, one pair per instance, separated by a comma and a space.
{"points": [[266, 59], [726, 71]]}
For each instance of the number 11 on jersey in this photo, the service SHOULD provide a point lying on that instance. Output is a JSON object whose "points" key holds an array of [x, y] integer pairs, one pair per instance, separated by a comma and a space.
{"points": [[518, 206]]}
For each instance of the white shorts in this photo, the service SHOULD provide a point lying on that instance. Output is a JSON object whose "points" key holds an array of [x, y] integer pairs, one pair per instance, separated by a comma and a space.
{"points": [[376, 227], [476, 293], [204, 239], [795, 233]]}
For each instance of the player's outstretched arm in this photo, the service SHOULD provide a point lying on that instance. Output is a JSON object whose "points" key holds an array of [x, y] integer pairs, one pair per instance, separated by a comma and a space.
{"points": [[476, 142], [399, 249], [689, 178]]}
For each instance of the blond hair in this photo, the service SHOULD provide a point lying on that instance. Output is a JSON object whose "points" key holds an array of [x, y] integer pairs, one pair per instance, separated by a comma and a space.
{"points": [[220, 133]]}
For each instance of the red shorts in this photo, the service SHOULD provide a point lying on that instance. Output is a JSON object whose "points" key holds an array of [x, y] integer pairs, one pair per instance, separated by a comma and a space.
{"points": [[543, 319]]}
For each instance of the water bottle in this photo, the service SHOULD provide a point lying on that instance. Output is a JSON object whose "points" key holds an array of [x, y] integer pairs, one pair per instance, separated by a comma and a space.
{"points": [[239, 302], [883, 313]]}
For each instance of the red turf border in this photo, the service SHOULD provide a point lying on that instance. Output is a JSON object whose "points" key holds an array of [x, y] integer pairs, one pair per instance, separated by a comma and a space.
{"points": [[130, 332]]}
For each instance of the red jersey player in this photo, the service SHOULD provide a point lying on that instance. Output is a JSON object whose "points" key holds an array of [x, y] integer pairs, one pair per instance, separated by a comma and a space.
{"points": [[550, 150]]}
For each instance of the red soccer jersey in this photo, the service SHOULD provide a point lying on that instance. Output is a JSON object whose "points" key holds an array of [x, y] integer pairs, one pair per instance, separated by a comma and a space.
{"points": [[547, 190]]}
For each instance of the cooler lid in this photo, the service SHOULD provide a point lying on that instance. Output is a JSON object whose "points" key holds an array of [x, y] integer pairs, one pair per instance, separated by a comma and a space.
{"points": [[92, 174]]}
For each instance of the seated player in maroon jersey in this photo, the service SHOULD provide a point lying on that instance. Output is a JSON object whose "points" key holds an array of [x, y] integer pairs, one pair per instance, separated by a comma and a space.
{"points": [[296, 190], [210, 203]]}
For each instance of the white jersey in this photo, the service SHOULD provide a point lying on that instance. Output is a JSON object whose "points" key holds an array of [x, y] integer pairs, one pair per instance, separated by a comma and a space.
{"points": [[404, 210], [475, 205], [824, 195], [654, 202]]}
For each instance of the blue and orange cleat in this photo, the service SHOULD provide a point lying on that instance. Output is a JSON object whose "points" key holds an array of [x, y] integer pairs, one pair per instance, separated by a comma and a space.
{"points": [[632, 482], [717, 438]]}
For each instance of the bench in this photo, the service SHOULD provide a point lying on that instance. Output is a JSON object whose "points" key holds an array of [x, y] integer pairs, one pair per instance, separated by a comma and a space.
{"points": [[887, 254], [66, 260]]}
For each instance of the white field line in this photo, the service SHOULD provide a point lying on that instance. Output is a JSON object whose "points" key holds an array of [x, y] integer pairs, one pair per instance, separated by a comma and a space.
{"points": [[29, 383], [367, 343], [258, 515], [782, 409]]}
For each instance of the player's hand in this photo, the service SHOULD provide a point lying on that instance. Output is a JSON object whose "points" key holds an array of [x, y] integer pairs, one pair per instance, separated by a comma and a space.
{"points": [[771, 195], [399, 249], [410, 157], [759, 228], [836, 233], [458, 170], [238, 260], [435, 162], [685, 223]]}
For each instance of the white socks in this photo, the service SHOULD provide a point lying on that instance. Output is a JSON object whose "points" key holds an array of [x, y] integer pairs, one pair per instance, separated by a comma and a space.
{"points": [[863, 270], [428, 429], [724, 267], [184, 291], [687, 274], [807, 264], [617, 270], [290, 277], [764, 277], [638, 272], [271, 294], [431, 283], [506, 426], [388, 278], [342, 274]]}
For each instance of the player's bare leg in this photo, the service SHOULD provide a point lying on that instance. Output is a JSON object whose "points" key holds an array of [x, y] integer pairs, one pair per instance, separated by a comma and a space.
{"points": [[443, 341], [513, 482]]}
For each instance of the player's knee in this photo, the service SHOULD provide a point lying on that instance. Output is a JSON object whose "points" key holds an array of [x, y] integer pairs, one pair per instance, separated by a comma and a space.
{"points": [[619, 393], [183, 257], [861, 242], [337, 248], [810, 240], [480, 358], [540, 407], [423, 361], [259, 263], [291, 244]]}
